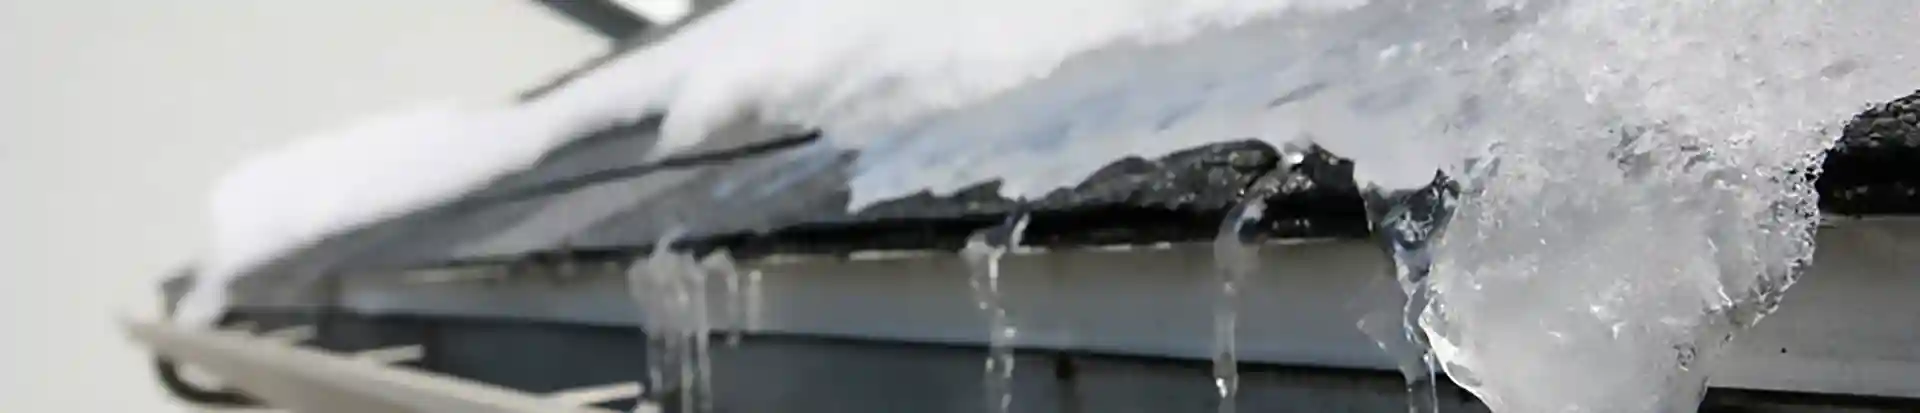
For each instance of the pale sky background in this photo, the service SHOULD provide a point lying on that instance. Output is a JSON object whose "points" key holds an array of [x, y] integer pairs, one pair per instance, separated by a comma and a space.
{"points": [[117, 115]]}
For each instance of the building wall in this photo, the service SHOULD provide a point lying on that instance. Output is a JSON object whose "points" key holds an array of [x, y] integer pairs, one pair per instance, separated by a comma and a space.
{"points": [[116, 116]]}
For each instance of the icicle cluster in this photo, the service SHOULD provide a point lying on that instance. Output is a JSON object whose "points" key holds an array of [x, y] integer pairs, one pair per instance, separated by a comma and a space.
{"points": [[671, 290]]}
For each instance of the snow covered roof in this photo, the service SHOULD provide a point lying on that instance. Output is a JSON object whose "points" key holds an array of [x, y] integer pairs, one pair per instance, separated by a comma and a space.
{"points": [[1014, 115], [736, 202]]}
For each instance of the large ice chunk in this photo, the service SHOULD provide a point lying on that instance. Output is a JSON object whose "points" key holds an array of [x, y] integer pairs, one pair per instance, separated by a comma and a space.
{"points": [[1649, 191]]}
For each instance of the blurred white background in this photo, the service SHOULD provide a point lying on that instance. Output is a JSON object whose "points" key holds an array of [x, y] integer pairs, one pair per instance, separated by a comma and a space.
{"points": [[117, 115]]}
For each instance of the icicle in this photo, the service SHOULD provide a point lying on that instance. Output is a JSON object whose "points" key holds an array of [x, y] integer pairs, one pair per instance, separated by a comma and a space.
{"points": [[720, 264], [983, 252], [1235, 255], [653, 296], [753, 304], [1405, 224], [701, 392], [670, 288]]}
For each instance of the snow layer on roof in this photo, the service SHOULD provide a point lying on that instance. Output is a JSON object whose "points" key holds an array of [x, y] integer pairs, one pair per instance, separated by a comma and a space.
{"points": [[858, 69], [943, 94], [1355, 82], [379, 168]]}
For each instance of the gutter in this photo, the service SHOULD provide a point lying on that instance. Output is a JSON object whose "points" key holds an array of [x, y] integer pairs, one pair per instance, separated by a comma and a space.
{"points": [[306, 380]]}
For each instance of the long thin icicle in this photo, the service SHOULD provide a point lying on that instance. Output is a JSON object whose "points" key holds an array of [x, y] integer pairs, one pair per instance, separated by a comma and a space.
{"points": [[720, 264], [754, 305], [1235, 257], [983, 252]]}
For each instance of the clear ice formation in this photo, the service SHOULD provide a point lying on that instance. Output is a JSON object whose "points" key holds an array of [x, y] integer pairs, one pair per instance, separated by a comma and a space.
{"points": [[671, 290], [720, 265], [754, 305], [982, 254], [1236, 256], [1645, 191], [1235, 259], [1405, 223]]}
